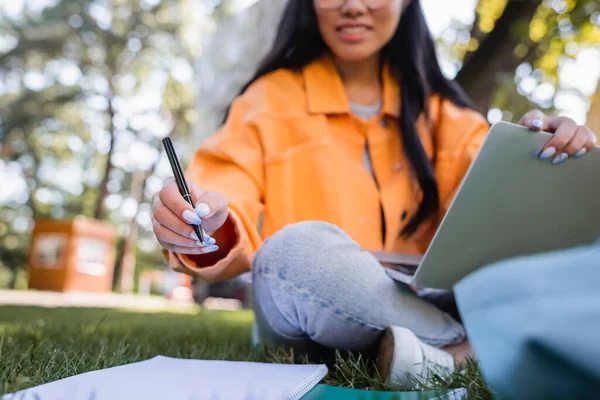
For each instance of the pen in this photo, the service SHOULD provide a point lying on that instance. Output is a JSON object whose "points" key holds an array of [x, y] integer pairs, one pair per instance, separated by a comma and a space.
{"points": [[180, 179]]}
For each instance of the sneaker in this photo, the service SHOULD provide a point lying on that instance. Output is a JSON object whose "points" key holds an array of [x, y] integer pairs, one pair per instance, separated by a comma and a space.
{"points": [[404, 361]]}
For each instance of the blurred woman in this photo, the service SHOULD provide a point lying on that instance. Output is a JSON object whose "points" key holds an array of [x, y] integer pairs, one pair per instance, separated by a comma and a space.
{"points": [[348, 138]]}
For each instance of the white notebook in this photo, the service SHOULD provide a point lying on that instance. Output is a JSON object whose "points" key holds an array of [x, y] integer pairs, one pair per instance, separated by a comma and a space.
{"points": [[178, 379]]}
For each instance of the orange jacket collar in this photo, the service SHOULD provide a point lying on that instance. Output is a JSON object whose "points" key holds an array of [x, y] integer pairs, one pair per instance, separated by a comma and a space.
{"points": [[326, 94]]}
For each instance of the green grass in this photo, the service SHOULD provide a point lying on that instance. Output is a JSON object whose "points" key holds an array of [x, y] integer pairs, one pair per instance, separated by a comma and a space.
{"points": [[39, 345]]}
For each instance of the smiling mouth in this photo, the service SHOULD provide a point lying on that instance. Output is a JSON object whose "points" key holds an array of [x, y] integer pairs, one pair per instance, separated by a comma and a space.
{"points": [[353, 33], [353, 29]]}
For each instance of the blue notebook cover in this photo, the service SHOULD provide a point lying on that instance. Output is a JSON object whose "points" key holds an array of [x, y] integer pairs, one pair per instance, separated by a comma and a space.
{"points": [[321, 392]]}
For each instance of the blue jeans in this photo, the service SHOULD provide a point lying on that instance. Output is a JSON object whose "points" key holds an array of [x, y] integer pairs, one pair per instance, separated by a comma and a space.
{"points": [[314, 288]]}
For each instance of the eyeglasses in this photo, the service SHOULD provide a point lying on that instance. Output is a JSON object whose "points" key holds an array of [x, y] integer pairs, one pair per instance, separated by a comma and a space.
{"points": [[370, 4]]}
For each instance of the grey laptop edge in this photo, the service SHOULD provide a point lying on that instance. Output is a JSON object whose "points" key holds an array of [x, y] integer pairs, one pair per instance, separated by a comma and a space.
{"points": [[509, 204]]}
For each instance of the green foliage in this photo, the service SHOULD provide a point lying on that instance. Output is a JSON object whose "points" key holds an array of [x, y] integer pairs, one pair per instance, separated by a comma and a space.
{"points": [[558, 31], [79, 76]]}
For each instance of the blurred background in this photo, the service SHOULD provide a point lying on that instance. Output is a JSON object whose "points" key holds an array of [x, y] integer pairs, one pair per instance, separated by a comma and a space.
{"points": [[89, 87]]}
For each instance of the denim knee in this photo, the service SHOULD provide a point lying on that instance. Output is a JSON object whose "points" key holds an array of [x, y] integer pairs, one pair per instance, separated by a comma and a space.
{"points": [[286, 272], [300, 250]]}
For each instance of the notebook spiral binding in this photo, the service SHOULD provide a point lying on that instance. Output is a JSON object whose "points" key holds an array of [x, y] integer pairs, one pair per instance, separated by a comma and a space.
{"points": [[308, 384]]}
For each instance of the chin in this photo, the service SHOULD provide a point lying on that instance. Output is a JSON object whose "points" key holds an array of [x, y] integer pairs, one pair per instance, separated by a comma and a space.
{"points": [[354, 55]]}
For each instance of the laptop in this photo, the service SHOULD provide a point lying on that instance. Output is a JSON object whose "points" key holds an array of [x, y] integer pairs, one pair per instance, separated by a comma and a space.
{"points": [[509, 204]]}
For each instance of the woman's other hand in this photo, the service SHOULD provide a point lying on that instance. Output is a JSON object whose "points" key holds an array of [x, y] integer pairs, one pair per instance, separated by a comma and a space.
{"points": [[173, 217], [569, 141]]}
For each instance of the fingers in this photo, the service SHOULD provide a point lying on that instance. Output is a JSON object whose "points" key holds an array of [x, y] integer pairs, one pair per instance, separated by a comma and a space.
{"points": [[556, 146], [172, 199], [213, 208], [209, 204], [166, 235], [535, 120], [172, 233], [577, 145], [538, 121], [173, 218], [167, 218], [589, 144], [569, 140], [189, 250]]}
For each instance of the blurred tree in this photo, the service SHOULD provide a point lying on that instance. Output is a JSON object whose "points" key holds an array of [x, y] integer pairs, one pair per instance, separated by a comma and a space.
{"points": [[536, 34], [88, 88], [115, 48], [494, 50]]}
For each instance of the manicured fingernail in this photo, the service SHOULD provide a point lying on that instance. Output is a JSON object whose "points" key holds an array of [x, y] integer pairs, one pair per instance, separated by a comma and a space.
{"points": [[208, 239], [580, 153], [594, 139], [207, 242], [560, 158], [202, 209], [546, 154], [191, 218], [536, 123], [210, 249]]}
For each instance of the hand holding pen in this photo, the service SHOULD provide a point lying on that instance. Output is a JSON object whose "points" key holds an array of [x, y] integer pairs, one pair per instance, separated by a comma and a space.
{"points": [[182, 186], [183, 213]]}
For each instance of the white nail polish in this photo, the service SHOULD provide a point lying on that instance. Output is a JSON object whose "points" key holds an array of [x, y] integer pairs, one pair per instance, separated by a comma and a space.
{"points": [[202, 209], [210, 249], [546, 154], [560, 158], [206, 239], [580, 153], [191, 218]]}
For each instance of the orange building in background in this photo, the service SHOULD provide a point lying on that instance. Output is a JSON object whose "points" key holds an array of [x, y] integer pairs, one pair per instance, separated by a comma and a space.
{"points": [[72, 256]]}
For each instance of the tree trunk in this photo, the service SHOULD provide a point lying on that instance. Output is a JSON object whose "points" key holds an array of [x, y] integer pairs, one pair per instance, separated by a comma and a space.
{"points": [[495, 54], [138, 183], [13, 279], [102, 188], [127, 271]]}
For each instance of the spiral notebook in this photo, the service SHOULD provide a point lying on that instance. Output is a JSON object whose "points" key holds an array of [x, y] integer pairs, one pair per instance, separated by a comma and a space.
{"points": [[180, 379]]}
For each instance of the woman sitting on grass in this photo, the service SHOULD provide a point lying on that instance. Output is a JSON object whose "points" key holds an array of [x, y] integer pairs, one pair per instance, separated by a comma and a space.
{"points": [[349, 138]]}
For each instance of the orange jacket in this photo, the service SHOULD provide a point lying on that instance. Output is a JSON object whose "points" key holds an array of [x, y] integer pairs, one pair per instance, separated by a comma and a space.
{"points": [[291, 150]]}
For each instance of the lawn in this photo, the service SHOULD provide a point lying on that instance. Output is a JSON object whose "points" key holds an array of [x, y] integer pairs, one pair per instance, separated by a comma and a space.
{"points": [[39, 345]]}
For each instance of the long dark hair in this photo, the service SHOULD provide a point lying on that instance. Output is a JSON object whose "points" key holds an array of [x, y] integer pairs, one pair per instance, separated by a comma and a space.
{"points": [[412, 60]]}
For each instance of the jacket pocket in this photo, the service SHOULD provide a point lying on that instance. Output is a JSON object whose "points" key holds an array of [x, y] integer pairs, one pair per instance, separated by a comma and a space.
{"points": [[302, 184]]}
